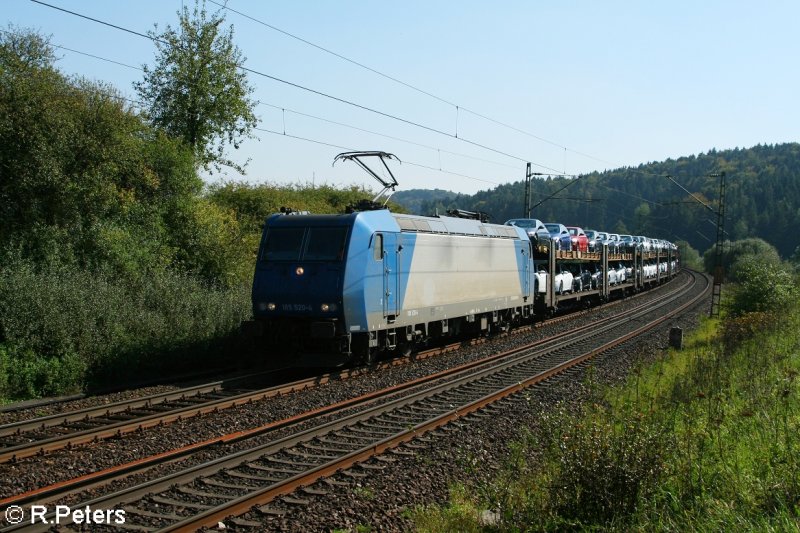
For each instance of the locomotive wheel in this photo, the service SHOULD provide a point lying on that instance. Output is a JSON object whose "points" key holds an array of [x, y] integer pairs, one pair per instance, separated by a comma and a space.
{"points": [[362, 353], [405, 350], [368, 357]]}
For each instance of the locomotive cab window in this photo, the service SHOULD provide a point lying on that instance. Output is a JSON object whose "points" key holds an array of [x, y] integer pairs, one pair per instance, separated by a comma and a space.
{"points": [[308, 244], [283, 244], [325, 244]]}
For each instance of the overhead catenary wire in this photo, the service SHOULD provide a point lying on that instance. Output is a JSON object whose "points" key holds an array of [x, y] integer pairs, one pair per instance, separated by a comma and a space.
{"points": [[284, 110], [440, 169], [375, 111], [371, 132], [331, 52], [322, 143], [351, 149], [687, 191], [316, 92], [96, 89], [458, 108], [289, 135], [569, 183], [107, 60]]}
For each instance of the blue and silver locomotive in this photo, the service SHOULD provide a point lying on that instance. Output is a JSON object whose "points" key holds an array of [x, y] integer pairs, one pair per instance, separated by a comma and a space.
{"points": [[335, 289], [349, 287]]}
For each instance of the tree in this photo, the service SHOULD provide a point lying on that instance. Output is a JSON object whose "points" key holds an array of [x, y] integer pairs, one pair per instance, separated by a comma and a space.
{"points": [[736, 251], [689, 256], [642, 216], [761, 286], [66, 146], [795, 259], [82, 177], [620, 228], [197, 90]]}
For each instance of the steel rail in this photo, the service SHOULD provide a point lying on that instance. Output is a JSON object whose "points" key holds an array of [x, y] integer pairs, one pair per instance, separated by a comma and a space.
{"points": [[241, 505], [114, 428], [351, 458], [119, 418], [118, 471]]}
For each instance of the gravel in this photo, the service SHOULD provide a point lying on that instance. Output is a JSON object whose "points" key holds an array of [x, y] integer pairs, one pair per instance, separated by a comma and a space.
{"points": [[380, 499], [466, 453]]}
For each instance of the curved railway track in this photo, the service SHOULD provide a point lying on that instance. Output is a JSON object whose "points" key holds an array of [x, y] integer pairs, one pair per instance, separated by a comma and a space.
{"points": [[38, 436], [211, 492]]}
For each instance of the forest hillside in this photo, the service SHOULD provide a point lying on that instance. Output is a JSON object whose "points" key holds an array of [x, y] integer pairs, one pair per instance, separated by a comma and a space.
{"points": [[762, 198]]}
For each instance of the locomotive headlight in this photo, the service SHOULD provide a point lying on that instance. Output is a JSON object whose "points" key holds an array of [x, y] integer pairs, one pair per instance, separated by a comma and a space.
{"points": [[299, 271], [270, 306], [328, 307]]}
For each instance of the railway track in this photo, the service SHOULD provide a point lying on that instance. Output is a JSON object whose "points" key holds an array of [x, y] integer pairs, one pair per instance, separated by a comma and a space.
{"points": [[125, 469], [211, 492], [38, 436]]}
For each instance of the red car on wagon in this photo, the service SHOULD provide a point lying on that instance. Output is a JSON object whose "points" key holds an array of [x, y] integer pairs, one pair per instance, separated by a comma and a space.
{"points": [[580, 242]]}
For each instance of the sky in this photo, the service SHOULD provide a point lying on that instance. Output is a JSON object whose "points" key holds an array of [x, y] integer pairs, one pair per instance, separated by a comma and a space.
{"points": [[466, 92]]}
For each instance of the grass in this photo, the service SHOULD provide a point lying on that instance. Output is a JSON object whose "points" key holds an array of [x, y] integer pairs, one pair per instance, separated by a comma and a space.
{"points": [[706, 438], [365, 493], [461, 514]]}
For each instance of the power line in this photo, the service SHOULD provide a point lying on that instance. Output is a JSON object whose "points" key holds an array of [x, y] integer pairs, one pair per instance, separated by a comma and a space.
{"points": [[351, 149], [410, 86], [366, 108], [320, 93], [96, 89], [300, 113], [375, 111], [274, 106], [98, 57], [670, 178], [316, 118], [331, 52], [284, 134], [453, 173], [421, 145], [394, 117], [570, 182], [314, 91], [99, 21]]}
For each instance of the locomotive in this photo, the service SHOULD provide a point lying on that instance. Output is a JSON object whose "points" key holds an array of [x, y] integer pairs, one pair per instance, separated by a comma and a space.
{"points": [[359, 284], [342, 289]]}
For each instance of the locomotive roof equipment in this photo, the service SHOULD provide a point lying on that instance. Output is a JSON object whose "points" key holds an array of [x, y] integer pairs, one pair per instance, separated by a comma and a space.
{"points": [[357, 157]]}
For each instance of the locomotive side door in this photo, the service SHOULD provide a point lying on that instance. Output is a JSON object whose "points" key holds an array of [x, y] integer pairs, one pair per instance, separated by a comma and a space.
{"points": [[391, 278], [527, 264]]}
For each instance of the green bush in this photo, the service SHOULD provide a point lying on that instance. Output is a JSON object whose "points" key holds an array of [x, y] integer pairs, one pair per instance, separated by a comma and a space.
{"points": [[584, 469], [25, 375], [761, 286], [690, 257], [98, 328], [605, 465], [738, 250], [704, 439]]}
